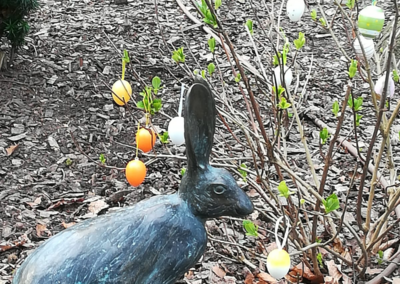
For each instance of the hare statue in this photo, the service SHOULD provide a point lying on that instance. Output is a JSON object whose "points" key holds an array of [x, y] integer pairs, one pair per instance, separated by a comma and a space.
{"points": [[157, 240]]}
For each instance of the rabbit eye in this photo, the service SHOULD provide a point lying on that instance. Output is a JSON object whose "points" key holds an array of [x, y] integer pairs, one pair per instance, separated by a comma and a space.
{"points": [[219, 189]]}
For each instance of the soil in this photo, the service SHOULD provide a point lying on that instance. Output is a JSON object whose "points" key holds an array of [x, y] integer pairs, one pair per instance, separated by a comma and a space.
{"points": [[57, 118]]}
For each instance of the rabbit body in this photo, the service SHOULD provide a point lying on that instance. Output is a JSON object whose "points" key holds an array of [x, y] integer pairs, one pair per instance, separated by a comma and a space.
{"points": [[122, 247], [157, 240]]}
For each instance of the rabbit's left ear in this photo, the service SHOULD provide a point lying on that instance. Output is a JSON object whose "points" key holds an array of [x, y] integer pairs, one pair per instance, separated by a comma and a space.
{"points": [[199, 124]]}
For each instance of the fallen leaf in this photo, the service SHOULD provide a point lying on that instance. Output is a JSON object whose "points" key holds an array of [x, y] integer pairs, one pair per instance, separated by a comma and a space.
{"points": [[337, 245], [388, 253], [372, 271], [388, 244], [218, 271], [347, 279], [396, 280], [67, 225], [333, 270], [96, 206], [265, 277], [40, 228], [249, 279], [11, 149]]}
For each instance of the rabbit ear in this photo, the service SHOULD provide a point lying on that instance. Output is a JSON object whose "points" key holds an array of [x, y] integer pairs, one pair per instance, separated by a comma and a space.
{"points": [[199, 124]]}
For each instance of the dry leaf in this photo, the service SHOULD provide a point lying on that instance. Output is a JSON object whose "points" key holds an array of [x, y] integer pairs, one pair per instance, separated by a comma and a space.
{"points": [[387, 254], [11, 149], [307, 273], [333, 270], [388, 244], [265, 277], [347, 255], [396, 280], [218, 271], [96, 206], [337, 245], [67, 225], [249, 279], [373, 271], [40, 228], [346, 279]]}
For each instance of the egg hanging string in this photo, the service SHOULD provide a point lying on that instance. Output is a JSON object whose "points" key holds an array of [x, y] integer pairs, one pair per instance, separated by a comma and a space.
{"points": [[137, 143], [278, 243], [181, 100]]}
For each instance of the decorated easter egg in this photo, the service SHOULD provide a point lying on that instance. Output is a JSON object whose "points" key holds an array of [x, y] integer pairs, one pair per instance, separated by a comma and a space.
{"points": [[176, 131], [135, 172], [145, 139], [295, 9], [368, 45], [278, 263], [288, 76], [370, 21], [381, 83], [121, 92]]}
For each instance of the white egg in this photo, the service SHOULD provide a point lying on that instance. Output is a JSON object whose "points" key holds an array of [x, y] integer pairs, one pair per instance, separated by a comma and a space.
{"points": [[295, 9], [176, 131], [278, 263], [368, 45], [288, 76], [381, 83]]}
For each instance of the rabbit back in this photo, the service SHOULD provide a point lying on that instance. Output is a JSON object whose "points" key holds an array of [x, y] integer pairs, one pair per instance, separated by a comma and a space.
{"points": [[156, 241]]}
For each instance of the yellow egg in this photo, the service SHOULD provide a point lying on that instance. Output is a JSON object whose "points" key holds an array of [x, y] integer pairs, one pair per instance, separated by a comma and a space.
{"points": [[278, 263], [123, 90]]}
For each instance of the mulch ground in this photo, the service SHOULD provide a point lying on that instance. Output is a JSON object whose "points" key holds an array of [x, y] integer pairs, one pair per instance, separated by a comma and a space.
{"points": [[57, 117]]}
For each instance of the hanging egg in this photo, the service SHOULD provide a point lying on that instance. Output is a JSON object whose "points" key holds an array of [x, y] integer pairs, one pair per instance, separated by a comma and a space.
{"points": [[288, 76], [370, 21], [135, 172], [176, 131], [121, 90], [368, 45], [381, 83], [145, 139], [295, 9], [278, 263]]}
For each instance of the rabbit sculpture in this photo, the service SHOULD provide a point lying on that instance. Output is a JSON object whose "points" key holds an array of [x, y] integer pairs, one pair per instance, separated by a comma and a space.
{"points": [[157, 240]]}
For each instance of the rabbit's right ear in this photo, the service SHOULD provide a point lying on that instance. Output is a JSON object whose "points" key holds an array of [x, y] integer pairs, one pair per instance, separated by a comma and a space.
{"points": [[199, 125]]}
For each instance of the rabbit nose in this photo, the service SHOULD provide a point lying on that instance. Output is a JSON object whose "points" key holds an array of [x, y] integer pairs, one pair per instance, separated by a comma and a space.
{"points": [[245, 206]]}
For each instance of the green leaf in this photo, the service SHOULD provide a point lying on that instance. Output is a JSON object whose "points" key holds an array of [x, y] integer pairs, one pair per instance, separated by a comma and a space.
{"points": [[322, 21], [156, 82], [211, 44], [313, 14], [350, 4], [324, 135], [249, 24], [353, 68], [183, 171], [102, 159], [140, 104], [284, 190], [396, 76], [68, 162], [331, 203], [283, 104], [178, 55], [238, 77], [164, 137], [242, 172], [358, 119], [319, 259], [251, 228], [211, 68], [203, 74], [156, 105], [125, 57], [300, 41], [218, 4], [335, 108]]}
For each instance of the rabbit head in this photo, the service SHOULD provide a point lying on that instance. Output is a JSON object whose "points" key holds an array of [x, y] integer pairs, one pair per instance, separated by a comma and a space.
{"points": [[210, 192]]}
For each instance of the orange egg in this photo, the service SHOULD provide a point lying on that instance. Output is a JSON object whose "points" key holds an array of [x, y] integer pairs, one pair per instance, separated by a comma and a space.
{"points": [[135, 172], [145, 139], [121, 90]]}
